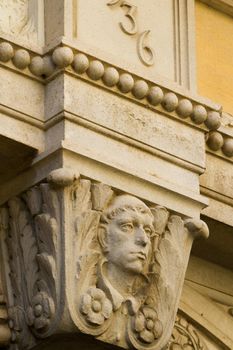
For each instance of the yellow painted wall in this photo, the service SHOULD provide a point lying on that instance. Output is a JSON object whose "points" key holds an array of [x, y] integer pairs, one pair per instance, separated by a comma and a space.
{"points": [[214, 42]]}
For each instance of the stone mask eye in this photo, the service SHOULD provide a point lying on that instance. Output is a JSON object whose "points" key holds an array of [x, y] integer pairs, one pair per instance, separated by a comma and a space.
{"points": [[127, 227], [148, 231]]}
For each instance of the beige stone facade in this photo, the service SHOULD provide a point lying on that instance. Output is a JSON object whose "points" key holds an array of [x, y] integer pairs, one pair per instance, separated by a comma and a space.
{"points": [[115, 167]]}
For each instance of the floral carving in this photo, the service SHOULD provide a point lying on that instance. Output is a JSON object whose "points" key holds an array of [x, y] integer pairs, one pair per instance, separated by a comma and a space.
{"points": [[20, 335], [185, 337], [95, 306], [126, 254], [16, 320], [40, 312], [30, 223], [128, 268], [147, 325]]}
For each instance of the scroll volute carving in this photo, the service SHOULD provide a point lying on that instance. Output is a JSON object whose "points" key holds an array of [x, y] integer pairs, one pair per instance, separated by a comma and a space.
{"points": [[111, 264]]}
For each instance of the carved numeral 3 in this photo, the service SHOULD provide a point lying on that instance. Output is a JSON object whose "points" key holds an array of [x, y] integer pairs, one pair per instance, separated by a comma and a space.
{"points": [[131, 15]]}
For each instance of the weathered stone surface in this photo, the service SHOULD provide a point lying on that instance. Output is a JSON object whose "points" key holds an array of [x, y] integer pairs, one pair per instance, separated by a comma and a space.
{"points": [[121, 272], [102, 144]]}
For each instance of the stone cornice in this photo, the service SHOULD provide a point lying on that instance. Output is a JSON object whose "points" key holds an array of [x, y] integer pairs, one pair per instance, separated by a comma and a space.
{"points": [[119, 81], [216, 196], [225, 6], [173, 103]]}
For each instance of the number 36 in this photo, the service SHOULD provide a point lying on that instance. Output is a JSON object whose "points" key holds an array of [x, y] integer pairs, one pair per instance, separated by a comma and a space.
{"points": [[145, 53]]}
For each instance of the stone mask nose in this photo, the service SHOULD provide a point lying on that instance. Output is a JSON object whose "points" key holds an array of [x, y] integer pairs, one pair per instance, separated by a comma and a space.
{"points": [[141, 237]]}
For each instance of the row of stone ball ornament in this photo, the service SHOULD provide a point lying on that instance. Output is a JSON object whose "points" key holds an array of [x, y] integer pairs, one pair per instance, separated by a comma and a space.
{"points": [[62, 57], [130, 267]]}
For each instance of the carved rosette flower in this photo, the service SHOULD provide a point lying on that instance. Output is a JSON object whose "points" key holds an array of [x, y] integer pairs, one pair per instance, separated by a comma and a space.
{"points": [[39, 314], [147, 325], [95, 306]]}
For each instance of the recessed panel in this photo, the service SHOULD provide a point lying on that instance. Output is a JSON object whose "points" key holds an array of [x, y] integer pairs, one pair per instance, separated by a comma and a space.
{"points": [[146, 35]]}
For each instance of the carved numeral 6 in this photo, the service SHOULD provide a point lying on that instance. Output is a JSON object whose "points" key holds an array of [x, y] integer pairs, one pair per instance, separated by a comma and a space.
{"points": [[145, 52]]}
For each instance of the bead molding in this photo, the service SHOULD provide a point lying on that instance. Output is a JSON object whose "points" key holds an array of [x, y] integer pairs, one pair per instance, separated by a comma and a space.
{"points": [[79, 63]]}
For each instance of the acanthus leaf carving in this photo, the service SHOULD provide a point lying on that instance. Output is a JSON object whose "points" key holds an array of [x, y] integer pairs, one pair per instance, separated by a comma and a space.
{"points": [[167, 264], [81, 196], [51, 204], [93, 306], [29, 249], [32, 248], [185, 336], [165, 276], [33, 199], [101, 196], [46, 228], [141, 276], [86, 225], [22, 251], [47, 224], [15, 19], [126, 262]]}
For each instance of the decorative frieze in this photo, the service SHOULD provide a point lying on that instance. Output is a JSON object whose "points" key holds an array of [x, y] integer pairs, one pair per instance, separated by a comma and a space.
{"points": [[117, 263]]}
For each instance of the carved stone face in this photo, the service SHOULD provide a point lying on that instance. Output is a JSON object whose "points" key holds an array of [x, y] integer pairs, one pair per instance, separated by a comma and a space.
{"points": [[128, 235]]}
